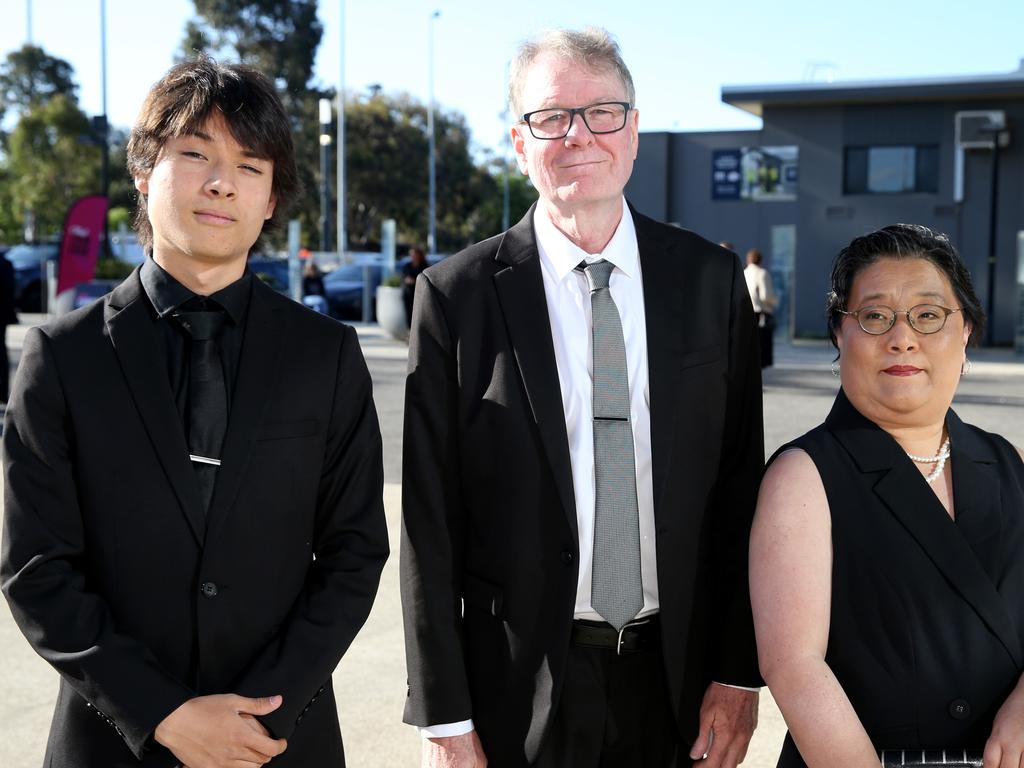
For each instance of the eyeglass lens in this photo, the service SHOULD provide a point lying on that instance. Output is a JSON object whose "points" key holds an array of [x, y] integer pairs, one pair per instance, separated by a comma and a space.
{"points": [[925, 318], [599, 118]]}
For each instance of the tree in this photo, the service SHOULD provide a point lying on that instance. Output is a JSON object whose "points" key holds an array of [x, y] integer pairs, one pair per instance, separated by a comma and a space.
{"points": [[30, 77], [386, 164], [51, 162], [386, 139]]}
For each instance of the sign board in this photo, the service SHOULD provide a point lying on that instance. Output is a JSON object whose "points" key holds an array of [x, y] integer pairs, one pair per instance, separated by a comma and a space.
{"points": [[761, 174]]}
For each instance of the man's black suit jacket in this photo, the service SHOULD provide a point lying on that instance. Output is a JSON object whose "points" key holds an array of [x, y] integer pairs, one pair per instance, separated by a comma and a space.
{"points": [[490, 545], [119, 581]]}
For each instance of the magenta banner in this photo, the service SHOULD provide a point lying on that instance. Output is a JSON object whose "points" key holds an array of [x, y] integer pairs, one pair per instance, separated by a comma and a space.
{"points": [[83, 230]]}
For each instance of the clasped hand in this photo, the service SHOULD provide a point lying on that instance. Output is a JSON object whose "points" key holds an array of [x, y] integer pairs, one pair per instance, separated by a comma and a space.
{"points": [[220, 731]]}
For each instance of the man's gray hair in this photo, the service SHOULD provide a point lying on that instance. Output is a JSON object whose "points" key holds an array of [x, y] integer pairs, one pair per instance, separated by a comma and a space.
{"points": [[592, 47]]}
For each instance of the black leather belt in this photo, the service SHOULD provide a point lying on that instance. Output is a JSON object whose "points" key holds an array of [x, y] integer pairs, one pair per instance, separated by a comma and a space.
{"points": [[640, 635]]}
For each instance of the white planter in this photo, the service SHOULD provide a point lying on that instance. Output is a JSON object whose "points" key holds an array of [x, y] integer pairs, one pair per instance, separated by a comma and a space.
{"points": [[391, 311]]}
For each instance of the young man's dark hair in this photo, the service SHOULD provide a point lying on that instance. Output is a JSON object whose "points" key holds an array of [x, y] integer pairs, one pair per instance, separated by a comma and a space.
{"points": [[187, 97]]}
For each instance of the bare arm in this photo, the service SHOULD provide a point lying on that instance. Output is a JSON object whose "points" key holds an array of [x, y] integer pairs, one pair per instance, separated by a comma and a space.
{"points": [[1005, 746], [790, 590]]}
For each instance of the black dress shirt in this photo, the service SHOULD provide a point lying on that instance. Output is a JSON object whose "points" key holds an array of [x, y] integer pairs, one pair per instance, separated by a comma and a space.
{"points": [[167, 295]]}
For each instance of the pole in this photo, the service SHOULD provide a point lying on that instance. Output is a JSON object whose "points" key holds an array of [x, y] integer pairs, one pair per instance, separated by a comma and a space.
{"points": [[992, 220], [28, 20], [342, 232], [432, 162], [104, 127], [325, 174]]}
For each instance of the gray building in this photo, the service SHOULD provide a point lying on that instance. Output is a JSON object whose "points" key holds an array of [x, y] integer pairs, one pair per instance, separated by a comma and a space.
{"points": [[833, 161]]}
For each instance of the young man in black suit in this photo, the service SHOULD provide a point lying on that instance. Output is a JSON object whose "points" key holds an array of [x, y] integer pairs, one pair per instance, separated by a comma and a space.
{"points": [[583, 446], [194, 529]]}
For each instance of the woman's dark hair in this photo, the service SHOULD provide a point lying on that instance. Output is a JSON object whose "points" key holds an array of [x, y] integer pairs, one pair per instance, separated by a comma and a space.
{"points": [[187, 97], [902, 241]]}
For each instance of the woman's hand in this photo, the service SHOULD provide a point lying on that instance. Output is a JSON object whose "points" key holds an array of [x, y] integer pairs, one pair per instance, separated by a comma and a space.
{"points": [[1005, 746]]}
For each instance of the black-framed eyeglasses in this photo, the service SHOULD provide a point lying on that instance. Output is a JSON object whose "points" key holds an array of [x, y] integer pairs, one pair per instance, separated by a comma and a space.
{"points": [[555, 123], [924, 318]]}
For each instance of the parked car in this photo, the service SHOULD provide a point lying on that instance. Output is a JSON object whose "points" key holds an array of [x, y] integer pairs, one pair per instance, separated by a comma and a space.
{"points": [[28, 260], [271, 270], [344, 285], [86, 293], [344, 289]]}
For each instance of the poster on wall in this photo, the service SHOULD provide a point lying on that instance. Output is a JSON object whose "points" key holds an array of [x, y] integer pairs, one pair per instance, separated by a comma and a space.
{"points": [[761, 174]]}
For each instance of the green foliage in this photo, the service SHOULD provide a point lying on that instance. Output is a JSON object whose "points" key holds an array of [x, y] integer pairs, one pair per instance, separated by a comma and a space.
{"points": [[112, 269], [30, 77], [50, 163], [47, 160], [388, 175], [118, 218], [394, 280]]}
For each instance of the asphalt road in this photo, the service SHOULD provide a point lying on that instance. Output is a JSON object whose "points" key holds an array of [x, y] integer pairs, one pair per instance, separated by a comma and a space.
{"points": [[370, 681]]}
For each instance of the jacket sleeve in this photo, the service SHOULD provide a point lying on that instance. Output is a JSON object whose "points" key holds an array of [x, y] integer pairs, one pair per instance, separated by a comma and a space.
{"points": [[735, 496], [433, 521], [43, 565], [350, 548]]}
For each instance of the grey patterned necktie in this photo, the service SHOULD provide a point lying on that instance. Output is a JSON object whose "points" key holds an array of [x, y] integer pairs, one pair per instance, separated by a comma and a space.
{"points": [[616, 590]]}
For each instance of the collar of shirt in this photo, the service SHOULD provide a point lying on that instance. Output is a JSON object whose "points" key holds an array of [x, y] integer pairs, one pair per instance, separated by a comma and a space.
{"points": [[166, 294], [560, 255]]}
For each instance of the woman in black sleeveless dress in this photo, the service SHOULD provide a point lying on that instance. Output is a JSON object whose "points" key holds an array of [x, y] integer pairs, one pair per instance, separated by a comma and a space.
{"points": [[887, 554]]}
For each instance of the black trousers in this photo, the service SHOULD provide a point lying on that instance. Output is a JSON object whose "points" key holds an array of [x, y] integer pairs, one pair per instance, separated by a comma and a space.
{"points": [[614, 712]]}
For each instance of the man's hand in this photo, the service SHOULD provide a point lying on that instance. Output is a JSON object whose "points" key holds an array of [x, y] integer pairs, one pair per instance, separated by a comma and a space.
{"points": [[463, 751], [220, 732], [728, 717]]}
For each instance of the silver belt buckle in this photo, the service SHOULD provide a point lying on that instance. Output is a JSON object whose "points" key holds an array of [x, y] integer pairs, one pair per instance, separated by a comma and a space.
{"points": [[618, 643]]}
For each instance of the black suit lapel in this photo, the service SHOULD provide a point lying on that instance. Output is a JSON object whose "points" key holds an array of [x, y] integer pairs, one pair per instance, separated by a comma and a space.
{"points": [[258, 366], [663, 308], [906, 493], [520, 289], [138, 346], [976, 494]]}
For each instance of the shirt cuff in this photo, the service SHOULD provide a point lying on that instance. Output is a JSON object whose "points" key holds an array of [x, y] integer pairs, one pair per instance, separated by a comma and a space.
{"points": [[446, 729], [738, 687]]}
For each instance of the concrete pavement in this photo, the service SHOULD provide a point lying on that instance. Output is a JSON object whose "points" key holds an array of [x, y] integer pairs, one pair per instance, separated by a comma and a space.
{"points": [[370, 681]]}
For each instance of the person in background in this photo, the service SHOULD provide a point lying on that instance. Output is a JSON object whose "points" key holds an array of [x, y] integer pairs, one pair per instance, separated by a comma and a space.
{"points": [[410, 271], [885, 560], [764, 301]]}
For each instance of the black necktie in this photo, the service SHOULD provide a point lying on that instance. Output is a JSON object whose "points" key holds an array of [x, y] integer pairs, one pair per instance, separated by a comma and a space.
{"points": [[207, 392]]}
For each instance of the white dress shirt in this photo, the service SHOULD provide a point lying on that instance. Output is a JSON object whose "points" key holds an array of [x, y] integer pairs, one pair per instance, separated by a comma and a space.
{"points": [[568, 301]]}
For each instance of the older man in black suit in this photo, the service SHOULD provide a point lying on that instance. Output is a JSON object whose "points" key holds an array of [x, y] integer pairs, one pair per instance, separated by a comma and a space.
{"points": [[583, 445], [194, 529]]}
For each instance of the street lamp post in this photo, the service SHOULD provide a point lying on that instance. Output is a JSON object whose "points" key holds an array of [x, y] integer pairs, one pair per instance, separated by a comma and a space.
{"points": [[340, 159], [432, 162], [104, 133], [325, 174]]}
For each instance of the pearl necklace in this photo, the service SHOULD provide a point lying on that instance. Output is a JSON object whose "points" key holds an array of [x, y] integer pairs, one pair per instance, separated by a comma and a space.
{"points": [[939, 460]]}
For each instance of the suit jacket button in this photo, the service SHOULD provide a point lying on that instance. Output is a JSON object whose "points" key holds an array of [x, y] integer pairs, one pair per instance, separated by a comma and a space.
{"points": [[209, 589], [959, 709], [566, 557]]}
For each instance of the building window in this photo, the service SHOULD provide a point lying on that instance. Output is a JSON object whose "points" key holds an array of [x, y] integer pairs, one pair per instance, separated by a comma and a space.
{"points": [[891, 170]]}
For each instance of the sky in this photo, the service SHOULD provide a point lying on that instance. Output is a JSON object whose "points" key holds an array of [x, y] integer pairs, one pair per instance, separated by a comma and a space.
{"points": [[680, 52]]}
